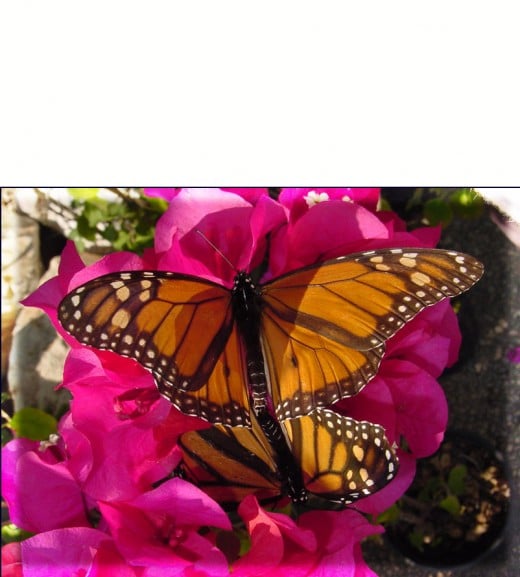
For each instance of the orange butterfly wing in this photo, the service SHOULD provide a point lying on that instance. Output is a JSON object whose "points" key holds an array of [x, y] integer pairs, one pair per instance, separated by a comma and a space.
{"points": [[340, 459], [229, 463], [179, 327], [324, 327]]}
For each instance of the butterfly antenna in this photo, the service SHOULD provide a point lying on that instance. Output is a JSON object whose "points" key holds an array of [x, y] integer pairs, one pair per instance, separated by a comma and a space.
{"points": [[216, 249]]}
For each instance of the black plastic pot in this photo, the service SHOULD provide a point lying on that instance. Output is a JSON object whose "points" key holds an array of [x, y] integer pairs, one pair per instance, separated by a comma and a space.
{"points": [[430, 535]]}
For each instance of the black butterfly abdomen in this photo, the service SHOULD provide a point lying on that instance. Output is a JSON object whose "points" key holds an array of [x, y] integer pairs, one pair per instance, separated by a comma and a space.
{"points": [[247, 308], [246, 312]]}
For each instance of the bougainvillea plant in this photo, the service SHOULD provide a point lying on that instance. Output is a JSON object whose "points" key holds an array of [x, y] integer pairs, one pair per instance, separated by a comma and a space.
{"points": [[94, 498]]}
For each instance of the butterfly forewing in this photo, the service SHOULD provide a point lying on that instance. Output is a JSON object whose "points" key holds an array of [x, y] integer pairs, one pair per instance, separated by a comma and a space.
{"points": [[225, 397], [307, 370], [324, 327], [176, 326]]}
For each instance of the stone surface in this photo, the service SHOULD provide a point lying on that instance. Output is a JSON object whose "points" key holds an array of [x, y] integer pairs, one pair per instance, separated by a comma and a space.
{"points": [[21, 267], [36, 360]]}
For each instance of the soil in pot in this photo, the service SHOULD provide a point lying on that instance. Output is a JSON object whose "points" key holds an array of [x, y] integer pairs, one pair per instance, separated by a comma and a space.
{"points": [[456, 509]]}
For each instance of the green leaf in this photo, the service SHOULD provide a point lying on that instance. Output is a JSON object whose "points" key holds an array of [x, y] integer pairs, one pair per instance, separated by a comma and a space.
{"points": [[78, 240], [6, 436], [95, 213], [457, 479], [391, 515], [467, 203], [122, 241], [34, 424], [432, 488], [245, 541], [11, 533], [83, 193], [157, 205], [120, 209], [436, 211], [111, 234], [83, 228], [451, 504], [383, 204], [416, 538]]}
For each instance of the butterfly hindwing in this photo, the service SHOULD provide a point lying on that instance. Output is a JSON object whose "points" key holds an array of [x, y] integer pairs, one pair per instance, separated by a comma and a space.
{"points": [[230, 463], [340, 460], [324, 327]]}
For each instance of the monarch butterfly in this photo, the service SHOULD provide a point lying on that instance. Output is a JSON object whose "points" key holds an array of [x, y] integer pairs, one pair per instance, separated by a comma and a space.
{"points": [[318, 332], [335, 459]]}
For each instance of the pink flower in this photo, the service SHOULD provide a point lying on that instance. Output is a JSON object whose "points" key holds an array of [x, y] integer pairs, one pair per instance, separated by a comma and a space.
{"points": [[116, 405], [71, 273], [404, 396], [159, 529], [299, 200], [230, 222], [336, 228], [73, 552], [167, 194], [319, 544], [250, 194], [12, 560], [339, 537], [514, 355], [40, 491]]}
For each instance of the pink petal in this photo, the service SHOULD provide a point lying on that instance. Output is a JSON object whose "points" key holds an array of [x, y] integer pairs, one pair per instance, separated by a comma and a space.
{"points": [[108, 562], [431, 340], [167, 194], [339, 536], [252, 195], [303, 242], [148, 534], [387, 496], [12, 560], [40, 495], [422, 410], [514, 355], [267, 546], [185, 502], [199, 239], [61, 553]]}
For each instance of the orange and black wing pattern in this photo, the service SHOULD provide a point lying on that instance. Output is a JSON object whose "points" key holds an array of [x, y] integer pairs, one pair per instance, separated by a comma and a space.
{"points": [[229, 463], [339, 460], [179, 327], [324, 327]]}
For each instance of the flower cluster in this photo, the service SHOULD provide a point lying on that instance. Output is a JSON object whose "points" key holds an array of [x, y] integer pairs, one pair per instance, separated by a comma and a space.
{"points": [[99, 497]]}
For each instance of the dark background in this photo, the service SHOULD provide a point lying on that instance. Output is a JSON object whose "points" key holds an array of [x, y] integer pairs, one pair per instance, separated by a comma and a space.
{"points": [[483, 389]]}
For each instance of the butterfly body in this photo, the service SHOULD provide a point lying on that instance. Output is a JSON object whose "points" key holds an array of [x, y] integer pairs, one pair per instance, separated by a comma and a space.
{"points": [[247, 309]]}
